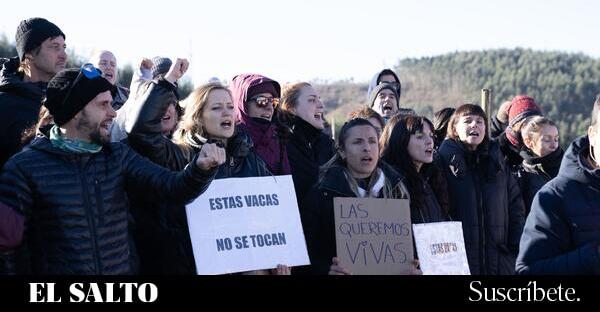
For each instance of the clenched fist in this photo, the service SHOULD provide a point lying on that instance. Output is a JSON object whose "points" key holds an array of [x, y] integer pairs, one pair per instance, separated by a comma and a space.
{"points": [[177, 70], [210, 156], [146, 64]]}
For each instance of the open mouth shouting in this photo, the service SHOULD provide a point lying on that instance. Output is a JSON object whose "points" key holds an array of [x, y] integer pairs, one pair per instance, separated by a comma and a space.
{"points": [[473, 133], [366, 160], [227, 124], [387, 108], [105, 126]]}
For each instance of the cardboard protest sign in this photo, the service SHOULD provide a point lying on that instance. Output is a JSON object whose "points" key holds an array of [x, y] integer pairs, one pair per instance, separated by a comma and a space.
{"points": [[373, 235], [245, 224], [441, 248]]}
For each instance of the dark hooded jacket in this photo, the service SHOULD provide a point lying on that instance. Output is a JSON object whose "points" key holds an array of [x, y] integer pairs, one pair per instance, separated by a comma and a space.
{"points": [[562, 232], [318, 219], [485, 197], [20, 103], [534, 172], [374, 82], [266, 135], [163, 235], [497, 128], [75, 206], [512, 154], [308, 148]]}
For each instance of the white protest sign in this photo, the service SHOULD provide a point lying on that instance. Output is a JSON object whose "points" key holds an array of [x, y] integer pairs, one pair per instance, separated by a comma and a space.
{"points": [[373, 235], [245, 224], [441, 248]]}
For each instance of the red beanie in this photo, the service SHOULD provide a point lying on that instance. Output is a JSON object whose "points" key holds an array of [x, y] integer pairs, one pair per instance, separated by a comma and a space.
{"points": [[521, 107]]}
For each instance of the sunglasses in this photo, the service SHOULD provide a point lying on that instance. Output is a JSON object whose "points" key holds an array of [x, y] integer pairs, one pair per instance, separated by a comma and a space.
{"points": [[263, 101], [88, 71]]}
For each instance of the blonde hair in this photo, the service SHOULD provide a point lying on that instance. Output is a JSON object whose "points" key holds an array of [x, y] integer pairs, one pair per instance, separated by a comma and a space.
{"points": [[533, 125], [194, 104], [291, 93]]}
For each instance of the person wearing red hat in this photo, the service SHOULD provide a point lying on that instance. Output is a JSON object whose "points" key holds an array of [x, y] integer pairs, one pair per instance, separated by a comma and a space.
{"points": [[511, 143]]}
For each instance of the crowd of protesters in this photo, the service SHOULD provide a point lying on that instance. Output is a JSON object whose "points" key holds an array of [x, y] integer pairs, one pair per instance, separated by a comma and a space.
{"points": [[96, 176]]}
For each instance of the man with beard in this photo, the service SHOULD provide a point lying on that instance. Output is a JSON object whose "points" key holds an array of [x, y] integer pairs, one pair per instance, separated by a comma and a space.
{"points": [[63, 200], [41, 48]]}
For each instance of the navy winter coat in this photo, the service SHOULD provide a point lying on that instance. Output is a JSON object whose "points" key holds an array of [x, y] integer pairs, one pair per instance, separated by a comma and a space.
{"points": [[562, 232], [76, 206]]}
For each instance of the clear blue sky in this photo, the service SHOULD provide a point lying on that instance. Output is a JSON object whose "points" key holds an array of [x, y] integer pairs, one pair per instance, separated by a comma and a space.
{"points": [[304, 40]]}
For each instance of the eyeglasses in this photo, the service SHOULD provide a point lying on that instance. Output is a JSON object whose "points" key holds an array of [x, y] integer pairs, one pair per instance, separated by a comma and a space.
{"points": [[88, 71], [263, 101]]}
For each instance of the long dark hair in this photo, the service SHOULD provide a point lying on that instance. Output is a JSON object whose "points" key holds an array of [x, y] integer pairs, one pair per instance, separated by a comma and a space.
{"points": [[394, 150], [440, 123]]}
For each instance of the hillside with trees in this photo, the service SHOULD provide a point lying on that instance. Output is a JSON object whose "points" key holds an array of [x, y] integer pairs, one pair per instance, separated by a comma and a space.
{"points": [[564, 84]]}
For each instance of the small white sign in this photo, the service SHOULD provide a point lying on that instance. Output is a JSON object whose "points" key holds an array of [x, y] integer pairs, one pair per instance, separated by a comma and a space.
{"points": [[245, 224], [441, 248]]}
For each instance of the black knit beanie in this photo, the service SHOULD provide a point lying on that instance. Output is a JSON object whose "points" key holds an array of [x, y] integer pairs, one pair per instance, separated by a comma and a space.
{"points": [[64, 105], [32, 32], [378, 89]]}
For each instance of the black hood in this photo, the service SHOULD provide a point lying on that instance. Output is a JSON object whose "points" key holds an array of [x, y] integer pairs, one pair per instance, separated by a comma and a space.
{"points": [[11, 81], [573, 167]]}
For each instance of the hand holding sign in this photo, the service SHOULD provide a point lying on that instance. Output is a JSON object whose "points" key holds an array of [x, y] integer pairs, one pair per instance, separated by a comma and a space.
{"points": [[336, 268], [210, 156]]}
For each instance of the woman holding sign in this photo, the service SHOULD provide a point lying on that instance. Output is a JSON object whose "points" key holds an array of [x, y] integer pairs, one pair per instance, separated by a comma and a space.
{"points": [[483, 193], [354, 171], [407, 144], [209, 117]]}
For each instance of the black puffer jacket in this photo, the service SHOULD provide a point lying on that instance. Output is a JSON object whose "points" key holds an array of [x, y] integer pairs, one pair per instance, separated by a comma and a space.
{"points": [[163, 235], [76, 207], [308, 148], [562, 233], [486, 198], [20, 104], [318, 218], [534, 172]]}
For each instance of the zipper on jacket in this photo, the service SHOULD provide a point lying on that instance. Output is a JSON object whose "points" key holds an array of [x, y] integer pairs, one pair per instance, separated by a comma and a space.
{"points": [[90, 213], [481, 217], [99, 205]]}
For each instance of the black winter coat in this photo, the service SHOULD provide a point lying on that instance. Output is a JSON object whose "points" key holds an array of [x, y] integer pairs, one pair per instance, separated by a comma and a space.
{"points": [[308, 148], [534, 172], [562, 232], [76, 207], [163, 236], [20, 104], [512, 154], [432, 210], [496, 127], [318, 218], [486, 198]]}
